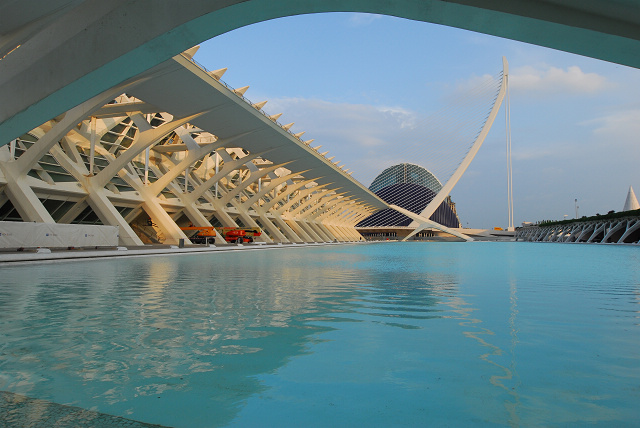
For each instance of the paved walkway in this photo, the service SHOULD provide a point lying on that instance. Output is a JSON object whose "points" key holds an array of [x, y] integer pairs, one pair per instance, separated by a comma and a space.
{"points": [[19, 411], [47, 255]]}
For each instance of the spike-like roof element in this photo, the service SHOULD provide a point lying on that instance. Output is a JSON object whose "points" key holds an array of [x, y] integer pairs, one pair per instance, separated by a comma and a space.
{"points": [[217, 74], [189, 53], [260, 105], [241, 91], [287, 126], [632, 202]]}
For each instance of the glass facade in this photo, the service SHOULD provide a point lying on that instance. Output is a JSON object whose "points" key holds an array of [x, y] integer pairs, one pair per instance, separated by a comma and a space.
{"points": [[411, 187], [406, 173]]}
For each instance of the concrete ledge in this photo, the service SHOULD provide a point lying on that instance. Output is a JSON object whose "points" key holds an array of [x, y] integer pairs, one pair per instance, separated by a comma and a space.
{"points": [[16, 257]]}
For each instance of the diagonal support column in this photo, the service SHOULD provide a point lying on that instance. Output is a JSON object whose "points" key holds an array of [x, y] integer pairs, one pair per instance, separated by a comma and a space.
{"points": [[97, 197], [18, 190], [146, 137], [425, 222]]}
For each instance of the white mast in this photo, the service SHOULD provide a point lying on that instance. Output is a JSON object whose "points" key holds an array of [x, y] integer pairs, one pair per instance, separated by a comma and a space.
{"points": [[507, 109]]}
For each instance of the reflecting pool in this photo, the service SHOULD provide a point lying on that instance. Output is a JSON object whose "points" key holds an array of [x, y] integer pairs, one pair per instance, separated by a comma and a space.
{"points": [[389, 334]]}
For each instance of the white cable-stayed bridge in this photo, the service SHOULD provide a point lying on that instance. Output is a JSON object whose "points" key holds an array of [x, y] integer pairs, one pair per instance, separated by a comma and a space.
{"points": [[450, 139]]}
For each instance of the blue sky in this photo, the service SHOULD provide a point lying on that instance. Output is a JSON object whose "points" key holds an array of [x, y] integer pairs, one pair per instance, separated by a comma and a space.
{"points": [[359, 83]]}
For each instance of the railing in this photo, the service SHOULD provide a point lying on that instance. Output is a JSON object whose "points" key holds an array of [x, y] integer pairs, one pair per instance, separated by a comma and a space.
{"points": [[247, 100], [624, 229], [230, 88]]}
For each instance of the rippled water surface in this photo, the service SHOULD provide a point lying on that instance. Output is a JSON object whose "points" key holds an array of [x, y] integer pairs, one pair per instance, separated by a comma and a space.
{"points": [[391, 334]]}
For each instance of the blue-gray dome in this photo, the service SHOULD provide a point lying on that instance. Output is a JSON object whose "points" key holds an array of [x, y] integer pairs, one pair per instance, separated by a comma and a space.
{"points": [[411, 187], [406, 173]]}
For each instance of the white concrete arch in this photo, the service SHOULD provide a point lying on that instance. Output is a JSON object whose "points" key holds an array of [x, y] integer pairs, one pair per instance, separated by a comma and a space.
{"points": [[40, 39]]}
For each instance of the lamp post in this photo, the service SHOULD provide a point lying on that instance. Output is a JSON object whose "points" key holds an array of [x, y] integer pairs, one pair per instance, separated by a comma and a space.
{"points": [[576, 209]]}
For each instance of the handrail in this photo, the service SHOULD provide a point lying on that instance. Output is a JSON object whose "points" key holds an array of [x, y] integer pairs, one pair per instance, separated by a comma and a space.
{"points": [[229, 87], [247, 100]]}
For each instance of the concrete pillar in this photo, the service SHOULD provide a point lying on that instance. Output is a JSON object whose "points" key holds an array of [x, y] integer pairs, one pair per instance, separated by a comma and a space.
{"points": [[24, 199], [108, 214], [311, 231]]}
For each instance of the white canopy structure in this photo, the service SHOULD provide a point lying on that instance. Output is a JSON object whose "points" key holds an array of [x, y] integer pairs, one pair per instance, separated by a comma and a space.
{"points": [[177, 147]]}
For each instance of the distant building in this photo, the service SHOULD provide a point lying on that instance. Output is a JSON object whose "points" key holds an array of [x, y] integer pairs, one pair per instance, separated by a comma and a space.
{"points": [[411, 187], [632, 202]]}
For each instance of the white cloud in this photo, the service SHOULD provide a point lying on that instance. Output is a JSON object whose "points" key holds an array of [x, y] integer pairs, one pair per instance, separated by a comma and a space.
{"points": [[548, 79], [361, 124], [470, 98], [362, 19], [405, 118], [366, 138], [620, 128]]}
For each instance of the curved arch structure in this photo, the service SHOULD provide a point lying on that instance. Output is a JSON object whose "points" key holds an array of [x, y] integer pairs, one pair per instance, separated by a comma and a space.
{"points": [[422, 221], [56, 54]]}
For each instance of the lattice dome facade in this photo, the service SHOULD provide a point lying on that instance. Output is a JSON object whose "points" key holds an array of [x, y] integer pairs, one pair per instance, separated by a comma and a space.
{"points": [[411, 187], [406, 173]]}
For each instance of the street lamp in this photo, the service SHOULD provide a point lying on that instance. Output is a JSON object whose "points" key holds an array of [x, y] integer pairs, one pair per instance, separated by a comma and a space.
{"points": [[576, 209]]}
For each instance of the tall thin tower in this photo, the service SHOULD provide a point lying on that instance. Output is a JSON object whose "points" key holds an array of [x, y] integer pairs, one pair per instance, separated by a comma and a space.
{"points": [[507, 110]]}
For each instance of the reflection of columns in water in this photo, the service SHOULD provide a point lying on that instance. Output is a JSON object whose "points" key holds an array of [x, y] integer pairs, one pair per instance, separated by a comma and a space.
{"points": [[159, 274], [464, 309], [161, 325]]}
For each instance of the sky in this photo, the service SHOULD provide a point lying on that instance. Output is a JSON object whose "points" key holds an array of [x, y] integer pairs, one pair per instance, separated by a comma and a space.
{"points": [[361, 85]]}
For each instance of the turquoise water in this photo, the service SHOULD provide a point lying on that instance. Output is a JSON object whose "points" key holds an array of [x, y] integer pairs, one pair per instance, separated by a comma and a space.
{"points": [[391, 334]]}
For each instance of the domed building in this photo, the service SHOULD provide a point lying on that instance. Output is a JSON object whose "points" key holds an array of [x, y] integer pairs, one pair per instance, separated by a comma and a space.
{"points": [[411, 187]]}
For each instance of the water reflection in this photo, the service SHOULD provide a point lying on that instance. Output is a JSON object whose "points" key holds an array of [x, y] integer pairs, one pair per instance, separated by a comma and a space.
{"points": [[205, 340], [120, 336], [116, 336]]}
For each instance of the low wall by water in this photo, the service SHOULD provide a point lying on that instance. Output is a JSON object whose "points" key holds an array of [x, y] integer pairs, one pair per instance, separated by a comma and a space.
{"points": [[15, 234]]}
